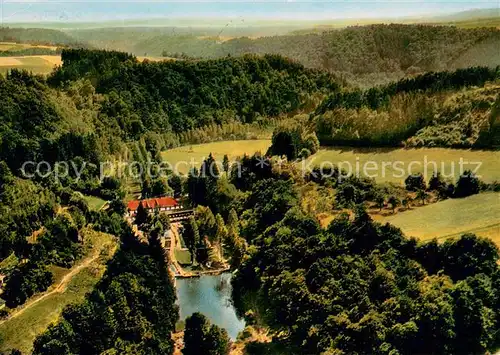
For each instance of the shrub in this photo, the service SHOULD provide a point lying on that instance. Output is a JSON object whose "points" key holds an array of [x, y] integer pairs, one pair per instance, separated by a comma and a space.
{"points": [[467, 185], [436, 182], [415, 182]]}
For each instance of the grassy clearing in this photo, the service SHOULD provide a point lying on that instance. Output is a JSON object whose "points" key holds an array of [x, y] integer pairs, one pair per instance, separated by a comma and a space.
{"points": [[447, 161], [38, 64], [193, 155], [95, 203], [183, 256], [9, 262], [20, 331], [12, 46], [397, 161], [477, 214]]}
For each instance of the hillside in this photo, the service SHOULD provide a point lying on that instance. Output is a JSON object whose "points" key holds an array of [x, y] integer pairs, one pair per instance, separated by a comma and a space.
{"points": [[468, 15], [121, 38], [37, 36], [362, 54], [36, 64], [476, 214], [181, 95], [446, 109]]}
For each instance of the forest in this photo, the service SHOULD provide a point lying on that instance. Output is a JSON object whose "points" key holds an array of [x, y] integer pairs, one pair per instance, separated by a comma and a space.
{"points": [[431, 109], [38, 36], [181, 95], [360, 287], [83, 114], [356, 286], [131, 310], [450, 109], [361, 55]]}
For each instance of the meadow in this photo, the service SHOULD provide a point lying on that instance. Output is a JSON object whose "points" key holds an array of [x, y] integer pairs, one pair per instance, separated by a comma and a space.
{"points": [[478, 214], [13, 46], [410, 161], [195, 154], [95, 203], [38, 64]]}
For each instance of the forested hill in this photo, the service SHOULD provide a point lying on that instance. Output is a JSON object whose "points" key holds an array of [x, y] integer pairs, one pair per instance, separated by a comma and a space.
{"points": [[449, 109], [180, 95], [365, 55], [46, 222], [38, 36], [99, 100]]}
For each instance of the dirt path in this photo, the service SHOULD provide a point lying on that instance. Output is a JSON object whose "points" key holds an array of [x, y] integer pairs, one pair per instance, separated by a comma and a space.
{"points": [[61, 287]]}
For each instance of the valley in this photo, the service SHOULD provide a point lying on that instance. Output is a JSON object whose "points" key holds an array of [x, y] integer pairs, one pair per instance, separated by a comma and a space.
{"points": [[318, 187]]}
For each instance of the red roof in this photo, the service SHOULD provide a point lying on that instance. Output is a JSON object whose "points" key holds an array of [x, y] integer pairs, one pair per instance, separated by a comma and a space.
{"points": [[150, 203], [133, 205]]}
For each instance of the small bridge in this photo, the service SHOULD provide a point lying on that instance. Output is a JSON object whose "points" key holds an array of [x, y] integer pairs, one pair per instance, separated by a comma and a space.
{"points": [[180, 215]]}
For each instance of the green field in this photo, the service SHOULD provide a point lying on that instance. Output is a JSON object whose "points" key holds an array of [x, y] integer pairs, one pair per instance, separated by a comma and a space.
{"points": [[95, 203], [399, 163], [9, 262], [183, 256], [479, 214], [475, 23], [38, 64], [192, 156]]}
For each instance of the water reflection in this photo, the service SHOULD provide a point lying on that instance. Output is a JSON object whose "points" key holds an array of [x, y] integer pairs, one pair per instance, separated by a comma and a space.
{"points": [[210, 295]]}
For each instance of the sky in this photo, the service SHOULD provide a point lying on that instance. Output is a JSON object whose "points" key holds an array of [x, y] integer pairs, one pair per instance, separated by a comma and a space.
{"points": [[13, 11]]}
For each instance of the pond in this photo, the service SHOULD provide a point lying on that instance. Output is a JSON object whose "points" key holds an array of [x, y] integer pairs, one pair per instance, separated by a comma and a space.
{"points": [[210, 295]]}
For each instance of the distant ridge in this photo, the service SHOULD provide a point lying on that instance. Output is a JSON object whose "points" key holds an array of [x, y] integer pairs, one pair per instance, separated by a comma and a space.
{"points": [[469, 15]]}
